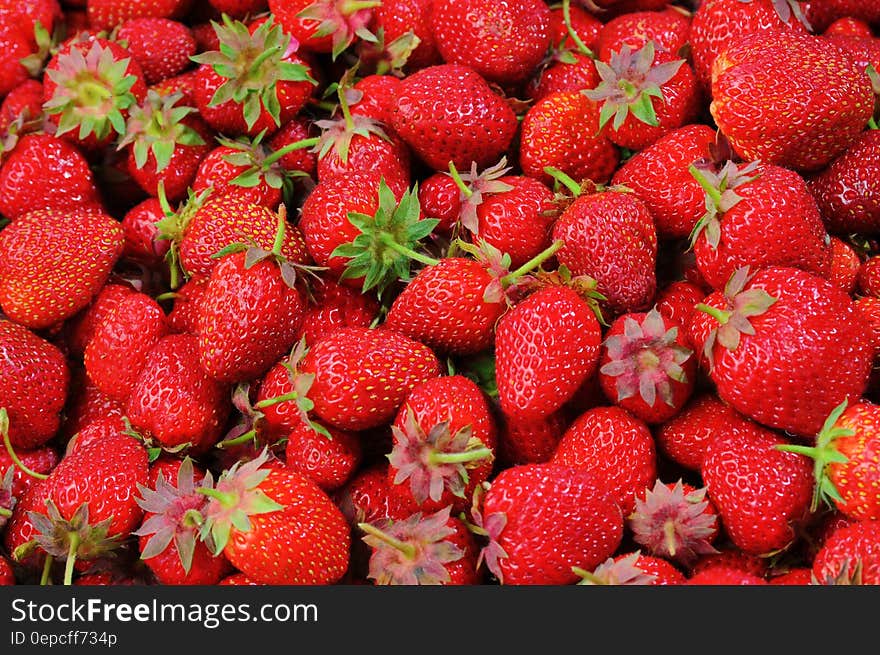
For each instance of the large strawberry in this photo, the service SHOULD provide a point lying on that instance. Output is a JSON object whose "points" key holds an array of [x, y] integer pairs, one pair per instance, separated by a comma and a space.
{"points": [[850, 552], [52, 263], [543, 519], [161, 46], [783, 346]]}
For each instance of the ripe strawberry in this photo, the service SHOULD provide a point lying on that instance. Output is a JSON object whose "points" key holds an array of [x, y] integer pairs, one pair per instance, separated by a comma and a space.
{"points": [[282, 399], [371, 497], [562, 131], [396, 19], [333, 306], [184, 315], [668, 29], [784, 347], [107, 14], [762, 493], [610, 236], [544, 519], [24, 101], [276, 526], [52, 263], [868, 277], [43, 171], [33, 385], [440, 198], [174, 403], [39, 460], [529, 442], [658, 175], [646, 366], [843, 189], [822, 14], [79, 329], [764, 69], [422, 549], [632, 569], [142, 241], [329, 463], [444, 441], [847, 26], [851, 551], [724, 576], [676, 301], [563, 70], [758, 215], [85, 405], [19, 532], [161, 46], [295, 162], [545, 347], [118, 349], [237, 93], [16, 45], [7, 574], [467, 123], [362, 375], [504, 42], [845, 264], [323, 26]]}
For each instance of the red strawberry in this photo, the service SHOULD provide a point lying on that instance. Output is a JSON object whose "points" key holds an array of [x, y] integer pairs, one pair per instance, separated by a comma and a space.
{"points": [[85, 405], [851, 551], [276, 526], [184, 315], [724, 576], [397, 18], [370, 497], [845, 264], [668, 29], [868, 278], [847, 26], [40, 460], [827, 100], [822, 14], [467, 123], [335, 305], [329, 463], [564, 70], [530, 442], [16, 45], [23, 101], [801, 575], [323, 26], [362, 376], [544, 519], [80, 328], [52, 263], [632, 569], [7, 574], [107, 14], [784, 347], [545, 347], [676, 301], [161, 46], [142, 241]]}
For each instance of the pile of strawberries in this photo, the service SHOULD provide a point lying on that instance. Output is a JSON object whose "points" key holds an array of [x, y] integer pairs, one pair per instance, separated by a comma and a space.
{"points": [[439, 292]]}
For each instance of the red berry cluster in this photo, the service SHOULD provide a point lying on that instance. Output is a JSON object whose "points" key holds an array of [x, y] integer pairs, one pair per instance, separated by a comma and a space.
{"points": [[439, 292]]}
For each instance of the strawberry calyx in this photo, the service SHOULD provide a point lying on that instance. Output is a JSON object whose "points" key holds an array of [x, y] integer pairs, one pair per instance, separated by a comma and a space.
{"points": [[646, 358], [720, 196], [848, 573], [629, 82], [786, 9], [174, 514], [824, 453], [157, 126], [343, 20], [490, 529], [382, 253], [45, 43], [473, 186], [435, 460], [248, 429], [584, 285], [235, 496], [411, 551], [260, 163], [173, 227], [672, 522], [7, 500], [253, 64], [92, 90], [733, 320], [154, 448], [623, 571], [389, 58]]}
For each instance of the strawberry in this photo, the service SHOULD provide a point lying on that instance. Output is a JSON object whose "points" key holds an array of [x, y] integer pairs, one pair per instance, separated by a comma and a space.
{"points": [[784, 347], [724, 576], [444, 441], [18, 534], [845, 265], [43, 171], [142, 241], [397, 19], [174, 403], [333, 306], [239, 93], [468, 123], [735, 230], [562, 131], [764, 69], [79, 329], [851, 551], [39, 460], [504, 42], [52, 263], [762, 494], [564, 70], [646, 366], [370, 496], [584, 25], [632, 569], [822, 14], [7, 574], [161, 46], [35, 381], [868, 277], [324, 26], [24, 100], [329, 463], [847, 26], [295, 161], [543, 519], [118, 348], [184, 315], [440, 198], [107, 14], [668, 29], [610, 236], [530, 442], [16, 45], [85, 405], [276, 526], [676, 300], [422, 549]]}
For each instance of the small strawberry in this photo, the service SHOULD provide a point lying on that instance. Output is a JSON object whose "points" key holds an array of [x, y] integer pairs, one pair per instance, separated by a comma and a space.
{"points": [[676, 300], [328, 462], [845, 264], [161, 46], [335, 305], [668, 29], [371, 497], [142, 241], [530, 442], [107, 14], [398, 19]]}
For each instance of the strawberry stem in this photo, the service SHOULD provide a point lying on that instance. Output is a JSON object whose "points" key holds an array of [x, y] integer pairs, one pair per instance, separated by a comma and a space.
{"points": [[713, 193], [453, 171], [564, 179], [279, 234], [238, 441], [409, 550], [71, 557], [388, 240], [47, 571], [226, 499], [352, 6], [269, 402], [566, 16], [4, 430], [6, 513], [533, 263], [302, 144], [459, 458], [718, 314]]}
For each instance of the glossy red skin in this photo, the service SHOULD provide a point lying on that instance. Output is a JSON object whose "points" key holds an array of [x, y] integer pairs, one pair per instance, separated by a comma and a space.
{"points": [[863, 51], [173, 379], [388, 158], [25, 97], [142, 241], [7, 575], [161, 46], [33, 385], [585, 25], [20, 530], [845, 265], [857, 480], [80, 328], [810, 351], [306, 543], [503, 41], [467, 123], [370, 497], [336, 305], [239, 579], [107, 14], [668, 29], [31, 11], [756, 72], [563, 76], [616, 447], [329, 463], [40, 460], [822, 14], [460, 401], [184, 314], [397, 17], [557, 517], [15, 45], [206, 569], [118, 348], [848, 26], [801, 575], [463, 571], [777, 223], [303, 159], [732, 558], [719, 23], [52, 264], [529, 442], [443, 306], [762, 494], [664, 573], [562, 130], [659, 177], [844, 190], [545, 347], [248, 319], [377, 97], [46, 172], [610, 236], [676, 301], [440, 198], [227, 219], [362, 375], [85, 404], [859, 540], [216, 173], [868, 278], [724, 576]]}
